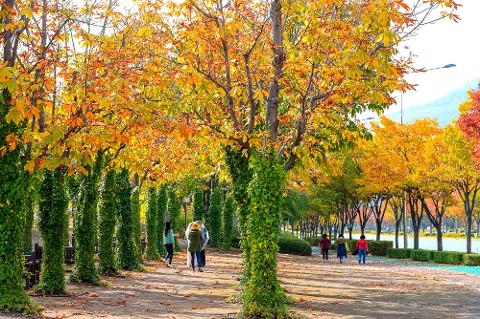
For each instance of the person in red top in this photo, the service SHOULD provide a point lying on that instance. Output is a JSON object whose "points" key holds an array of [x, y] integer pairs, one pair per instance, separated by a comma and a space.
{"points": [[325, 246], [362, 247]]}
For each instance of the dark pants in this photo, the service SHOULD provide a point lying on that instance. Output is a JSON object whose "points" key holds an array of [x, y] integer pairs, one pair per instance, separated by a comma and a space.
{"points": [[199, 261], [169, 256], [325, 253], [203, 258]]}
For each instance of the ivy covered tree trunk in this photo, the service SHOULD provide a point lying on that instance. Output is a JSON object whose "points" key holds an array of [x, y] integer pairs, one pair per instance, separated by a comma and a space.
{"points": [[151, 252], [53, 211], [241, 175], [198, 205], [73, 184], [28, 210], [86, 227], [12, 296], [263, 297], [162, 202], [215, 217], [126, 251], [174, 208], [227, 223], [137, 227], [107, 225]]}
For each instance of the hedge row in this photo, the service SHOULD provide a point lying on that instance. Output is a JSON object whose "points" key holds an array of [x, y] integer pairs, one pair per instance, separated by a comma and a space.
{"points": [[294, 246], [314, 241], [375, 248], [441, 257]]}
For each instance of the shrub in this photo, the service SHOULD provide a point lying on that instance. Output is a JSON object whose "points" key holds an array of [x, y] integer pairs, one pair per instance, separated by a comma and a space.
{"points": [[447, 257], [399, 253], [376, 248], [421, 255], [471, 259], [379, 248], [294, 246], [314, 241]]}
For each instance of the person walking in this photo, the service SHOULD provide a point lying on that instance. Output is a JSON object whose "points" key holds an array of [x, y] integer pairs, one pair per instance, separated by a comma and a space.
{"points": [[195, 246], [341, 248], [325, 246], [169, 242], [205, 239], [362, 247]]}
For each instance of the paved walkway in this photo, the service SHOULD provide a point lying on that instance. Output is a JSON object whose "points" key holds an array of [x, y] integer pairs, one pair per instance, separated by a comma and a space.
{"points": [[322, 290]]}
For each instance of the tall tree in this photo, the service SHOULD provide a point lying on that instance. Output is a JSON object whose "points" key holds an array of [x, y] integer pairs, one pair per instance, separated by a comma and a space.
{"points": [[463, 175]]}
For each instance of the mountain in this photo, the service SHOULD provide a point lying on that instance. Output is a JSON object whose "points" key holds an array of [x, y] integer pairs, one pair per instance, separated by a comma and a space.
{"points": [[444, 109]]}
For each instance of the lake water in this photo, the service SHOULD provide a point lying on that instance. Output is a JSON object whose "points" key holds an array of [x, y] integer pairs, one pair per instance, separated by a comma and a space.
{"points": [[430, 243]]}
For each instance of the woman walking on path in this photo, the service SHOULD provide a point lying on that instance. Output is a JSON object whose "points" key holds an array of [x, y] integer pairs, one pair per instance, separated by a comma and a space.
{"points": [[195, 246], [362, 247], [325, 246], [168, 242], [341, 249]]}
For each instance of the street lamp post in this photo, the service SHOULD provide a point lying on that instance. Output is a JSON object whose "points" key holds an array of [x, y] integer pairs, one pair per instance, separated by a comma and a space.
{"points": [[405, 234]]}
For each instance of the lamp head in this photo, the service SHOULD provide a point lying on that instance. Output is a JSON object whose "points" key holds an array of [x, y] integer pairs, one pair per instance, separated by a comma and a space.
{"points": [[451, 65]]}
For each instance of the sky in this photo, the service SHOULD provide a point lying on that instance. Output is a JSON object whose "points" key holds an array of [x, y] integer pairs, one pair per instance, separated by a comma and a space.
{"points": [[439, 92]]}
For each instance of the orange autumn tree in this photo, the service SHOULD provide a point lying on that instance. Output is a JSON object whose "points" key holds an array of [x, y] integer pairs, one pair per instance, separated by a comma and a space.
{"points": [[268, 78]]}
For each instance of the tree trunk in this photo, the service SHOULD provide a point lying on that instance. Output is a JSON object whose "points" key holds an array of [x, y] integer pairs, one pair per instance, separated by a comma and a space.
{"points": [[350, 233], [478, 227], [379, 229], [468, 232], [397, 230], [86, 228], [53, 211], [416, 237], [439, 238], [263, 296], [362, 229]]}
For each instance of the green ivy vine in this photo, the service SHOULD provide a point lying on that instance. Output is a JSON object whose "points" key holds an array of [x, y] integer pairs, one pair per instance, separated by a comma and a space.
{"points": [[263, 296], [241, 174], [127, 259], [151, 252], [227, 223], [53, 210], [107, 218], [12, 296], [137, 227], [198, 205], [162, 202], [86, 227], [215, 217]]}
